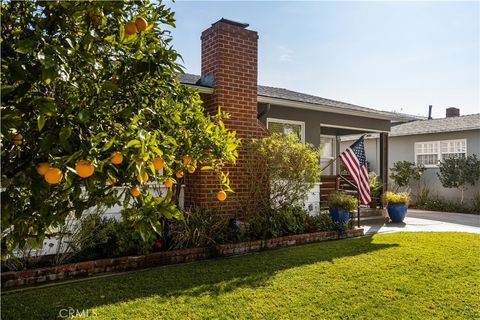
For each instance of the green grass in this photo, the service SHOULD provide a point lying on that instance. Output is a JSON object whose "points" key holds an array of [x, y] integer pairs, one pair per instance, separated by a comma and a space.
{"points": [[389, 276]]}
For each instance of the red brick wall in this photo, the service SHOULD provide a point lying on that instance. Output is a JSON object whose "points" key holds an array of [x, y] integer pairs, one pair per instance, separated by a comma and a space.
{"points": [[229, 54]]}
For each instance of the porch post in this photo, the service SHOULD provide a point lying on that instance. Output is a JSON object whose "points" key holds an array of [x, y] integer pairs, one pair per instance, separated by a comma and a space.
{"points": [[384, 160]]}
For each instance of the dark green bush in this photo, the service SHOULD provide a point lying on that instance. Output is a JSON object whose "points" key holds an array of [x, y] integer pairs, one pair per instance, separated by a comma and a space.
{"points": [[111, 239], [321, 222], [287, 220], [443, 205]]}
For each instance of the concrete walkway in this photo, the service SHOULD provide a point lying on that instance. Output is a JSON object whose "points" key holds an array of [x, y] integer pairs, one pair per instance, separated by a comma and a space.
{"points": [[419, 220]]}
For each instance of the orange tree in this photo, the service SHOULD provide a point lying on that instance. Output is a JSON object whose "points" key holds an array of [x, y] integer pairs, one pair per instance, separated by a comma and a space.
{"points": [[91, 111]]}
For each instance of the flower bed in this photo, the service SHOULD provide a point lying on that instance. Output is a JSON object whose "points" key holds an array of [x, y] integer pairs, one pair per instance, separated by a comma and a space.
{"points": [[104, 266]]}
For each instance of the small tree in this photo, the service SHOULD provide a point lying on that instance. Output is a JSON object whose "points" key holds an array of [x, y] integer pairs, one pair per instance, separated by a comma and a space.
{"points": [[403, 171], [457, 172], [287, 165]]}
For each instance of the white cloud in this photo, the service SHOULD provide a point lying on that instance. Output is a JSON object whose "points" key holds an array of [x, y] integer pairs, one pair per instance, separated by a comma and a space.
{"points": [[284, 54]]}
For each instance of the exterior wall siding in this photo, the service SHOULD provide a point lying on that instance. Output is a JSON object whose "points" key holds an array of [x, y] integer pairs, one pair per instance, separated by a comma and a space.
{"points": [[313, 120]]}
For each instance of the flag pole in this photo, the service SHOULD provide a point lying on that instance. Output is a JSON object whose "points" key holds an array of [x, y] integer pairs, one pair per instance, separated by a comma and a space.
{"points": [[330, 163]]}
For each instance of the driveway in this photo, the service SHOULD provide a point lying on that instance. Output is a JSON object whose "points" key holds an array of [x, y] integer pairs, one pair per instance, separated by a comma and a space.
{"points": [[420, 220]]}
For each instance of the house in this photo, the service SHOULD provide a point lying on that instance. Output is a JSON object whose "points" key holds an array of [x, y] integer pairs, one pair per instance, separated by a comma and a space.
{"points": [[229, 79], [428, 142]]}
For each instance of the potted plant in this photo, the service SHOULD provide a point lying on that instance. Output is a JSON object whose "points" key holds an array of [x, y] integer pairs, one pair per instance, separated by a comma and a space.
{"points": [[340, 205], [396, 205]]}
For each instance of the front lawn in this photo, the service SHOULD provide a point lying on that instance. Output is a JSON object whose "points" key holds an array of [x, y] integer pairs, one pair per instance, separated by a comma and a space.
{"points": [[388, 276]]}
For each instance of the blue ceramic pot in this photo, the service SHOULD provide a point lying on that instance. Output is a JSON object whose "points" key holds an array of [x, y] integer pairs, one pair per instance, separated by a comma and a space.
{"points": [[339, 214], [397, 212]]}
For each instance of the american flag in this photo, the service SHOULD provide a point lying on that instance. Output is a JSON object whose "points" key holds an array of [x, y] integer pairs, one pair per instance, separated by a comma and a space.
{"points": [[356, 162]]}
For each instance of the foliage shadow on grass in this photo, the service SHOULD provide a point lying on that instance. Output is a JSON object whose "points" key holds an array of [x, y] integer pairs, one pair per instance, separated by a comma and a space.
{"points": [[213, 277]]}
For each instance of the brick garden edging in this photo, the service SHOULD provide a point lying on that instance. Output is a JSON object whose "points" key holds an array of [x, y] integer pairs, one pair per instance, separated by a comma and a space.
{"points": [[103, 266]]}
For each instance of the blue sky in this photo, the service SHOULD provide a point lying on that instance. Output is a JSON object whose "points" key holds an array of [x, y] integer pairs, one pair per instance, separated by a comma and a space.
{"points": [[395, 56]]}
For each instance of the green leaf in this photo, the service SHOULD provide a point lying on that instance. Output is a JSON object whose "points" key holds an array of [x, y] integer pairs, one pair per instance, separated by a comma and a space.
{"points": [[24, 46], [48, 74], [47, 105], [6, 89], [83, 116], [133, 143], [64, 134], [40, 122]]}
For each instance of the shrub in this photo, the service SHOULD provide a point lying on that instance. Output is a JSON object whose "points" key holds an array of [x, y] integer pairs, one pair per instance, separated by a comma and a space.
{"points": [[342, 200], [198, 228], [111, 239], [321, 222], [288, 220], [476, 203], [284, 163], [443, 205], [394, 198]]}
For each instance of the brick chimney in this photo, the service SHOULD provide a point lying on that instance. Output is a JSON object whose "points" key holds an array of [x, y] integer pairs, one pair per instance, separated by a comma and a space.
{"points": [[452, 112], [229, 60]]}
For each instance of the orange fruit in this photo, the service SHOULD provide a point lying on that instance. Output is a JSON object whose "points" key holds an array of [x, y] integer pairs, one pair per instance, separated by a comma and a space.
{"points": [[191, 169], [179, 174], [141, 24], [130, 28], [135, 192], [168, 183], [53, 175], [158, 163], [17, 139], [117, 157], [186, 160], [42, 168], [84, 168], [221, 195], [145, 178]]}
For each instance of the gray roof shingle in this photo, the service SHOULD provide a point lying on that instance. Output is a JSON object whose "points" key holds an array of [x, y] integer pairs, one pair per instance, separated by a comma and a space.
{"points": [[280, 93], [462, 123]]}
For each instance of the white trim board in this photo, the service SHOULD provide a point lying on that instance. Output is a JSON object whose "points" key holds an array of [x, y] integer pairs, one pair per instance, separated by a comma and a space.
{"points": [[301, 123], [337, 110], [351, 128]]}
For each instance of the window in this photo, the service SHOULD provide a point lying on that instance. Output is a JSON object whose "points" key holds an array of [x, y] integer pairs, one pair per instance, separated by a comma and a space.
{"points": [[287, 126], [432, 152], [328, 146]]}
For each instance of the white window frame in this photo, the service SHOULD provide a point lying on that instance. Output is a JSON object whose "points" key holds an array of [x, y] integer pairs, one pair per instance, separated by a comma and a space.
{"points": [[301, 123], [439, 150]]}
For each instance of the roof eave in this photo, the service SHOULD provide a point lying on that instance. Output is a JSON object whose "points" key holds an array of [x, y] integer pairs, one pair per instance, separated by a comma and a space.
{"points": [[320, 107], [314, 106], [201, 89]]}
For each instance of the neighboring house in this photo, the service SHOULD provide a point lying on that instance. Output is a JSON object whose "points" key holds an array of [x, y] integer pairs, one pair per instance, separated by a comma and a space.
{"points": [[428, 142]]}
